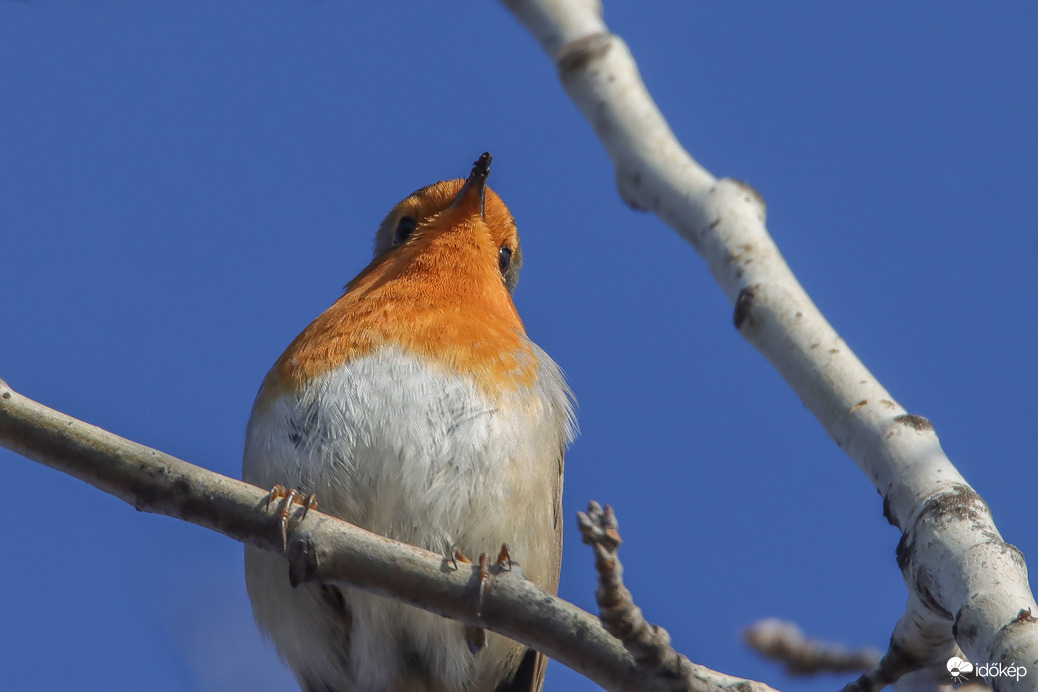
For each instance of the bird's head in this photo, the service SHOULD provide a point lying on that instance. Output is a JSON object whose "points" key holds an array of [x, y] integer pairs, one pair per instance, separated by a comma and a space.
{"points": [[464, 213]]}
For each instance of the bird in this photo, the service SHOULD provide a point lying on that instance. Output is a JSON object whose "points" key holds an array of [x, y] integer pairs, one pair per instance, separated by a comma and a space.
{"points": [[416, 407]]}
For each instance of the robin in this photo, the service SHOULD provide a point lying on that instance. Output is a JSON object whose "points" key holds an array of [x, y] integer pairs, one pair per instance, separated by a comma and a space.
{"points": [[416, 407]]}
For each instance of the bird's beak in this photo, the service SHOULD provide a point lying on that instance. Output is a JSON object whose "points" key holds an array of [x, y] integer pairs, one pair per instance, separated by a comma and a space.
{"points": [[475, 188]]}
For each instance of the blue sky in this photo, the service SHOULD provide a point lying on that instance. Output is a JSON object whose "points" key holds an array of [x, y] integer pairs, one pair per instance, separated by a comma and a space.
{"points": [[185, 185]]}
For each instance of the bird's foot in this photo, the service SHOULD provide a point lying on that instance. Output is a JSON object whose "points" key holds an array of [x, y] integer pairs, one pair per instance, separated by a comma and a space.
{"points": [[504, 559], [290, 496], [476, 637]]}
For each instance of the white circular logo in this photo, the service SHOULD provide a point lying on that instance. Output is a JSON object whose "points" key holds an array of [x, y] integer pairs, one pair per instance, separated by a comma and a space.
{"points": [[959, 668]]}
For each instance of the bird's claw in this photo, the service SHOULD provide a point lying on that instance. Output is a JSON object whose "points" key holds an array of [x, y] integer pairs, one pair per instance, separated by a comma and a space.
{"points": [[484, 581], [457, 557], [476, 637], [290, 496], [504, 559]]}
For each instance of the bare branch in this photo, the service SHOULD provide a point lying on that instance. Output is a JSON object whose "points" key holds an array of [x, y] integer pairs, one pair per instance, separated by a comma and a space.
{"points": [[321, 548], [966, 585], [784, 642], [649, 644]]}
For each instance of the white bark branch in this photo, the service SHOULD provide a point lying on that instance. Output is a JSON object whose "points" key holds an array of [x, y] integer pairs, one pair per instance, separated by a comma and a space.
{"points": [[325, 549], [965, 584]]}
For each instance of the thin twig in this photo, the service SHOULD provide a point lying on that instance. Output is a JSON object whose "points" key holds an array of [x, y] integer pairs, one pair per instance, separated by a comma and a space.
{"points": [[784, 642], [648, 644]]}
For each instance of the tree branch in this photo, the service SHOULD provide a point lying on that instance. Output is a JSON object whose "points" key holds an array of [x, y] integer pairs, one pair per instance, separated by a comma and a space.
{"points": [[649, 644], [784, 642], [323, 548], [966, 585]]}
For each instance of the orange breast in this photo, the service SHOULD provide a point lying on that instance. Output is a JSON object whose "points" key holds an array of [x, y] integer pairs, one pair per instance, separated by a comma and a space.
{"points": [[440, 296]]}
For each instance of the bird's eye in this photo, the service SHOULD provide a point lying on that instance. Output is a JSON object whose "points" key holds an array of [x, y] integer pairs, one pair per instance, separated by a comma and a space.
{"points": [[504, 259], [404, 228]]}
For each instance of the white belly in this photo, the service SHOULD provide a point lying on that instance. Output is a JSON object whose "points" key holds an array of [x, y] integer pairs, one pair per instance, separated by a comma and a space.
{"points": [[399, 448]]}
